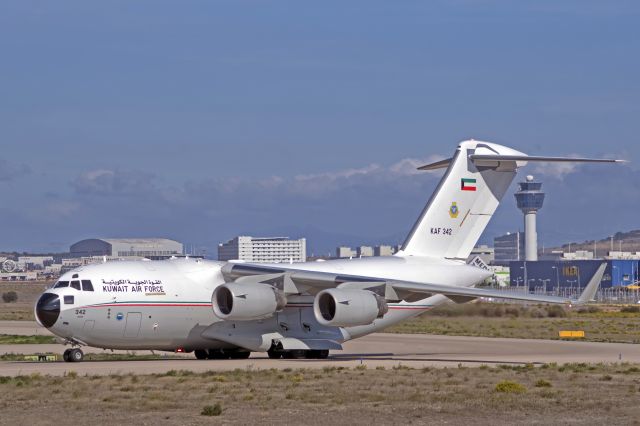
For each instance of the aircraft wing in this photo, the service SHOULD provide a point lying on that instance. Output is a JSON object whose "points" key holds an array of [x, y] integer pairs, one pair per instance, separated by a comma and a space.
{"points": [[293, 281]]}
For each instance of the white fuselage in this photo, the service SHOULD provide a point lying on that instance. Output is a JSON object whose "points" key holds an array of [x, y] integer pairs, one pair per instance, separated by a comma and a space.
{"points": [[166, 305]]}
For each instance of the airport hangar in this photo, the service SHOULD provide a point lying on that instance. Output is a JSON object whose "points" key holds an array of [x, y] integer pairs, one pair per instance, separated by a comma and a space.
{"points": [[151, 248]]}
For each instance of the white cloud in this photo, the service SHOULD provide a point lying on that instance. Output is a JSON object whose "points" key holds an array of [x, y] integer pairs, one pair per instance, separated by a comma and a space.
{"points": [[114, 182], [409, 166], [555, 170]]}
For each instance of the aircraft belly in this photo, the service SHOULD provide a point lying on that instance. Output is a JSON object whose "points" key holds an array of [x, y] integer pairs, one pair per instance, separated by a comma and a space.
{"points": [[293, 328]]}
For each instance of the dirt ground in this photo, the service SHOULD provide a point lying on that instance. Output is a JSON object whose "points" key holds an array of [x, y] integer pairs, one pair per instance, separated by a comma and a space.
{"points": [[22, 309], [570, 394]]}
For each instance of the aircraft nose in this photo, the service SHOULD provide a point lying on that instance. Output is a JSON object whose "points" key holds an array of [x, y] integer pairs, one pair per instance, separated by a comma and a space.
{"points": [[48, 309]]}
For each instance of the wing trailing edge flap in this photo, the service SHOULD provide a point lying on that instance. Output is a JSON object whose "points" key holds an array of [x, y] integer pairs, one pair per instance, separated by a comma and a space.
{"points": [[387, 291], [461, 299]]}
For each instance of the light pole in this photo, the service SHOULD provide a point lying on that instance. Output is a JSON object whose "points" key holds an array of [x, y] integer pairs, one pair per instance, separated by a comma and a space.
{"points": [[524, 268], [518, 280], [544, 283], [557, 279]]}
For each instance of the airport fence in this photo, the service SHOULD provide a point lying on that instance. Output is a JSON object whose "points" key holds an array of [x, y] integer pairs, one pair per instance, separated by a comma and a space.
{"points": [[613, 295]]}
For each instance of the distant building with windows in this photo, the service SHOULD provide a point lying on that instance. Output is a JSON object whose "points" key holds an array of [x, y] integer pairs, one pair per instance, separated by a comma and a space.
{"points": [[344, 252], [263, 250], [508, 248], [364, 251], [383, 250], [151, 248], [485, 253]]}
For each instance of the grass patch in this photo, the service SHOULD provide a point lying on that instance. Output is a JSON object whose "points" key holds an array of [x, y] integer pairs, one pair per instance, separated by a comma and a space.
{"points": [[212, 410], [508, 386], [13, 339]]}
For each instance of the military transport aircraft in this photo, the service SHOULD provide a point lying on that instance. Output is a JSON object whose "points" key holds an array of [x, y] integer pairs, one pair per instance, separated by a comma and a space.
{"points": [[229, 309]]}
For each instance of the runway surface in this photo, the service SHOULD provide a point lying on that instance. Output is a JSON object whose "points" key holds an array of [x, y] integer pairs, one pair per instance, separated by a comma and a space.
{"points": [[381, 349]]}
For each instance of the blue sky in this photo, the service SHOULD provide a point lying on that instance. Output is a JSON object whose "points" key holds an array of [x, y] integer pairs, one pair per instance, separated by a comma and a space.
{"points": [[201, 120]]}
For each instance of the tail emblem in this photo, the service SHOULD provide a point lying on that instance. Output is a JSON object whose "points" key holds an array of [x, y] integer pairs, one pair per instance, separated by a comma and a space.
{"points": [[467, 184], [453, 210]]}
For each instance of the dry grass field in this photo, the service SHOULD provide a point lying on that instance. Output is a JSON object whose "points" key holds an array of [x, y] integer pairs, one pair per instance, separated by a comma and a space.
{"points": [[601, 324], [22, 309], [570, 394]]}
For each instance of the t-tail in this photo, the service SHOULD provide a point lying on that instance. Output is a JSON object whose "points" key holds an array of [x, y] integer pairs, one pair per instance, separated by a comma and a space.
{"points": [[477, 177]]}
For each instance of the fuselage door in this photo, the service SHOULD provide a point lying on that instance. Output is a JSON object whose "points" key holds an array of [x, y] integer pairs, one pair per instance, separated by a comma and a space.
{"points": [[132, 326]]}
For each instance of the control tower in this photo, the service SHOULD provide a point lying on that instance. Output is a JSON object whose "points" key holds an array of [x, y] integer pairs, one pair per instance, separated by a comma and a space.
{"points": [[530, 198]]}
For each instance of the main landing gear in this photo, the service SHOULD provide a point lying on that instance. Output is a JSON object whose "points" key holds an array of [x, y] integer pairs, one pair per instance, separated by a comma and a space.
{"points": [[298, 354], [221, 354], [73, 355]]}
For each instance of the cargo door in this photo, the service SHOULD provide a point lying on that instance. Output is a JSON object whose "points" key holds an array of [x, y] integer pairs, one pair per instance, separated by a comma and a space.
{"points": [[132, 326], [88, 325]]}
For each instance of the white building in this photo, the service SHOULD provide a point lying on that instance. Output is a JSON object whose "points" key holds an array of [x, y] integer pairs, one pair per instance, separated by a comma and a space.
{"points": [[126, 247], [383, 250], [365, 251], [263, 250], [34, 262], [344, 252]]}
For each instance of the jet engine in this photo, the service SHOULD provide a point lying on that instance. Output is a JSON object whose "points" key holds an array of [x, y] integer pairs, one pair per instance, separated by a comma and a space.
{"points": [[347, 308], [247, 301]]}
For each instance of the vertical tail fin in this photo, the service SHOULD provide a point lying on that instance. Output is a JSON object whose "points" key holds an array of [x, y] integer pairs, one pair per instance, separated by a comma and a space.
{"points": [[464, 201], [459, 210]]}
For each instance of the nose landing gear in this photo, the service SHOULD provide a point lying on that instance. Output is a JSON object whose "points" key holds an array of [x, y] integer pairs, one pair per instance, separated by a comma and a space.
{"points": [[73, 355]]}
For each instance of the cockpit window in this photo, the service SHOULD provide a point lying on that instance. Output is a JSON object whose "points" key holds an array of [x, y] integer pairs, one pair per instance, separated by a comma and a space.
{"points": [[86, 285], [75, 284], [68, 300], [61, 284]]}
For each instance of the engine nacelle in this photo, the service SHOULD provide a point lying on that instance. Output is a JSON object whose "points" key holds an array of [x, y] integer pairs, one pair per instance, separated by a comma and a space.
{"points": [[245, 302], [348, 308]]}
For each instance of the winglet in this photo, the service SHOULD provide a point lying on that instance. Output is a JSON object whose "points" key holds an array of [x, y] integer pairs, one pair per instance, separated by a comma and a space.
{"points": [[590, 290]]}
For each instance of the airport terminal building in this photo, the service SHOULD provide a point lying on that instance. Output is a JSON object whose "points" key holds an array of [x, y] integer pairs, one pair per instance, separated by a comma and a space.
{"points": [[151, 248], [263, 250]]}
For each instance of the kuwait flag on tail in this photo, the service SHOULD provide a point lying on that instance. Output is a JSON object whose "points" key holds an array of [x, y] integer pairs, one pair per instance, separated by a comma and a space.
{"points": [[467, 184]]}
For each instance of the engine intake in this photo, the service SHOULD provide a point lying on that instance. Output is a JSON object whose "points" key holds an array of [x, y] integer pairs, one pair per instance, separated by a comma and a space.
{"points": [[348, 308], [245, 302]]}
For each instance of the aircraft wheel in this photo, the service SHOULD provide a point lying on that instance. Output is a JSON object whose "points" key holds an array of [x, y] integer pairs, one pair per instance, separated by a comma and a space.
{"points": [[200, 354], [76, 355], [295, 354], [239, 354], [65, 355], [318, 354], [216, 354], [274, 354]]}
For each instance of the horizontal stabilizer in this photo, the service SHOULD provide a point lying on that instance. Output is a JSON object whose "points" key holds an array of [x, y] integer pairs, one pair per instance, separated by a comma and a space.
{"points": [[442, 164], [533, 158], [491, 157]]}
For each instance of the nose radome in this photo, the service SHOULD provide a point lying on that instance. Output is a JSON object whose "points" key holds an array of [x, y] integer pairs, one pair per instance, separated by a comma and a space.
{"points": [[48, 309]]}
